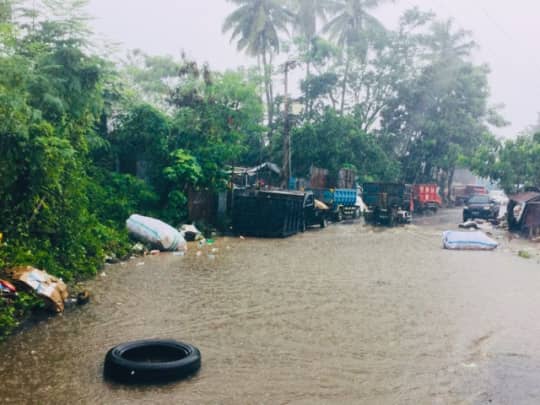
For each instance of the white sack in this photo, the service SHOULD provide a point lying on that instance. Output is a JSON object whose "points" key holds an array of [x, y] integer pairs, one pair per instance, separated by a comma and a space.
{"points": [[155, 232], [468, 241]]}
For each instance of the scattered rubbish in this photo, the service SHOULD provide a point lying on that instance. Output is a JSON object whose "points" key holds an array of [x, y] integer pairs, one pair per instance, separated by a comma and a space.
{"points": [[190, 233], [210, 241], [212, 257], [199, 253], [201, 243], [215, 250], [468, 241], [140, 264], [103, 274], [52, 289], [6, 285], [469, 225], [138, 248], [241, 237], [228, 248], [524, 254], [179, 254], [83, 297], [155, 232], [154, 252], [111, 259]]}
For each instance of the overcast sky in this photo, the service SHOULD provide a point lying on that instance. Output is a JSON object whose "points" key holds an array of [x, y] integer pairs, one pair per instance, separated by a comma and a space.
{"points": [[507, 33]]}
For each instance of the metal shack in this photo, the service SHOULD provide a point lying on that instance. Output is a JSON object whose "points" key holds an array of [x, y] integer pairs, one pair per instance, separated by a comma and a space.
{"points": [[524, 213]]}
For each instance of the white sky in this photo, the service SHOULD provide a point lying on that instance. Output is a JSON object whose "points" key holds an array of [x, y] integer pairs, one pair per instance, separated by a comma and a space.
{"points": [[507, 33]]}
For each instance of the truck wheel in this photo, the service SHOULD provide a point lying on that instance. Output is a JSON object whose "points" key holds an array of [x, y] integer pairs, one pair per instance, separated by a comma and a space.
{"points": [[339, 215], [324, 223], [357, 213]]}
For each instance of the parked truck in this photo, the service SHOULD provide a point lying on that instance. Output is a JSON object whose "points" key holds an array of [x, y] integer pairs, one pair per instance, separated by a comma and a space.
{"points": [[343, 202], [388, 203], [426, 198]]}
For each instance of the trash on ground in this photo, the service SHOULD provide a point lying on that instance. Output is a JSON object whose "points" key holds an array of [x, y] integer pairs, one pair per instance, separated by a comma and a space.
{"points": [[112, 259], [242, 238], [83, 297], [52, 289], [199, 253], [7, 286], [469, 225], [190, 233], [524, 254], [214, 250], [210, 241], [477, 240], [138, 248], [155, 232], [212, 257], [154, 252], [140, 264], [179, 254], [201, 243]]}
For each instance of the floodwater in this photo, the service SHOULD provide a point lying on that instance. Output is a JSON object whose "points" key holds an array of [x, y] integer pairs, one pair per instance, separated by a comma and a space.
{"points": [[349, 314]]}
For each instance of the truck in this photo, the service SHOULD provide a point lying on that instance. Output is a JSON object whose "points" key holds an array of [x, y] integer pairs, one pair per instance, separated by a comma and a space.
{"points": [[343, 202], [461, 193], [315, 212], [426, 198], [388, 203]]}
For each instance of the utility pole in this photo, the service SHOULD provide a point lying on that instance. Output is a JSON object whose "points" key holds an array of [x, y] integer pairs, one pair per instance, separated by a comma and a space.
{"points": [[287, 127]]}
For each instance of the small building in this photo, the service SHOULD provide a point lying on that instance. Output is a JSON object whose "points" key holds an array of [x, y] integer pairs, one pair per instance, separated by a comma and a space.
{"points": [[266, 174]]}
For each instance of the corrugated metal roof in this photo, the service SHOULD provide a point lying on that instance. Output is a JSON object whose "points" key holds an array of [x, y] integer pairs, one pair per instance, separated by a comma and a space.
{"points": [[525, 197]]}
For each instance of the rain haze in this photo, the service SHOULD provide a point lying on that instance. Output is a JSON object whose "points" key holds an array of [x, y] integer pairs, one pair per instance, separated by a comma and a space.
{"points": [[505, 32]]}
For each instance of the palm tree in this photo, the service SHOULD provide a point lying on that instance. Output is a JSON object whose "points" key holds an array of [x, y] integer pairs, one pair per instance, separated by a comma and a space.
{"points": [[349, 27], [307, 14], [256, 25], [446, 44]]}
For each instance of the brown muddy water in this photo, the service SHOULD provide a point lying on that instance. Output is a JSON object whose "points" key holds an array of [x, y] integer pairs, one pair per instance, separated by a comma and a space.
{"points": [[349, 314]]}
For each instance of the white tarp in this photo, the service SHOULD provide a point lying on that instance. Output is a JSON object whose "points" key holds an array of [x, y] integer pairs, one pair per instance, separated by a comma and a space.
{"points": [[468, 241], [155, 232]]}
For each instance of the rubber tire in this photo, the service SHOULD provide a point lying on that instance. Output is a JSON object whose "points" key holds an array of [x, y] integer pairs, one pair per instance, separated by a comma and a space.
{"points": [[465, 218], [357, 213], [324, 223], [121, 369], [339, 215]]}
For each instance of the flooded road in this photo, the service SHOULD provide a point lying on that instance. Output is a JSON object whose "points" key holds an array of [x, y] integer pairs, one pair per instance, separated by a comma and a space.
{"points": [[349, 314]]}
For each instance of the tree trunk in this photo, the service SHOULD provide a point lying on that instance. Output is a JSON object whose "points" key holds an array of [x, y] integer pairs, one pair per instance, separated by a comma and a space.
{"points": [[344, 88], [450, 181], [268, 91]]}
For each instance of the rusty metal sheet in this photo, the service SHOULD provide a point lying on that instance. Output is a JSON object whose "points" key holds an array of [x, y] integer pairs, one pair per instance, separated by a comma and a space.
{"points": [[524, 197]]}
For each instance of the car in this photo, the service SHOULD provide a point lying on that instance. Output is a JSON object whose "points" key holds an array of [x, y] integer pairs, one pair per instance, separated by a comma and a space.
{"points": [[480, 206]]}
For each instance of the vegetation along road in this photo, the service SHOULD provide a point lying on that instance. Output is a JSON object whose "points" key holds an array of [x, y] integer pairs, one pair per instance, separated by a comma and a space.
{"points": [[344, 315]]}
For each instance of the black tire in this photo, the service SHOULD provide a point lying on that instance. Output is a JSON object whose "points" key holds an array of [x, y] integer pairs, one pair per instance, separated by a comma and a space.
{"points": [[465, 218], [151, 361], [357, 213], [339, 215], [324, 223]]}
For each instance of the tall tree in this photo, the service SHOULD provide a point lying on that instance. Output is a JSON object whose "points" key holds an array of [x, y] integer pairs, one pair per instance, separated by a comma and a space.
{"points": [[307, 14], [349, 27], [256, 25]]}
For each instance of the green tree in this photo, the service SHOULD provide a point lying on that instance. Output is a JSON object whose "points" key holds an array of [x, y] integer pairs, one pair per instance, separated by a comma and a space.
{"points": [[256, 25], [349, 27]]}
